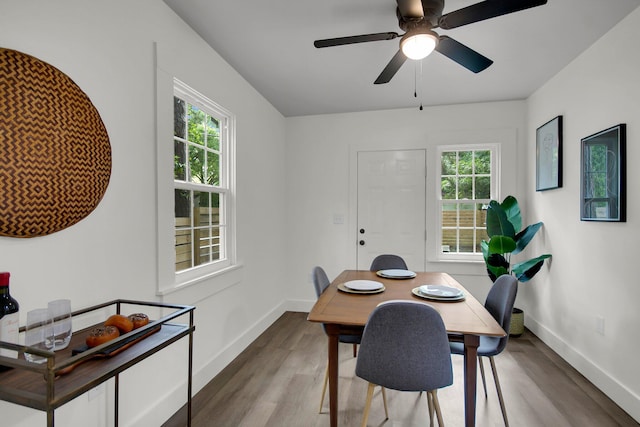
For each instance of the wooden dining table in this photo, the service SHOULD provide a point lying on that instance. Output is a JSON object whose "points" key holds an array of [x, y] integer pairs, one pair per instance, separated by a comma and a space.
{"points": [[346, 313]]}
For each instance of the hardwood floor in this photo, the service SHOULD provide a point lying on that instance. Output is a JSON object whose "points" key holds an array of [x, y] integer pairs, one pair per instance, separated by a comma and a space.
{"points": [[277, 381]]}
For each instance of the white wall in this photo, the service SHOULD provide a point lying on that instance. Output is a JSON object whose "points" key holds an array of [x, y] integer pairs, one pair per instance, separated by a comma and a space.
{"points": [[320, 178], [293, 175], [107, 48], [593, 268]]}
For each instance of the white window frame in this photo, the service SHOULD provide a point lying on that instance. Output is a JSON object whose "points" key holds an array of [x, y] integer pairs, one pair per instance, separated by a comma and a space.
{"points": [[494, 149], [170, 280]]}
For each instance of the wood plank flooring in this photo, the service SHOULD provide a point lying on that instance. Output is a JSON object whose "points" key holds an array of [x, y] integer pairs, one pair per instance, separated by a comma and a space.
{"points": [[277, 381]]}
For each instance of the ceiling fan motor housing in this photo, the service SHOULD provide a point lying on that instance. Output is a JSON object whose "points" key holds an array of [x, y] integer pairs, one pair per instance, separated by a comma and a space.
{"points": [[431, 13]]}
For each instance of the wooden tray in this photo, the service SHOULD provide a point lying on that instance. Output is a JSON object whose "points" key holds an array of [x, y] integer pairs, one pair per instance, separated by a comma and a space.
{"points": [[112, 348]]}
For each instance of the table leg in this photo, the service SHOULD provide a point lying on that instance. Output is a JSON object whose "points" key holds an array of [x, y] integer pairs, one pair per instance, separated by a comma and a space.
{"points": [[471, 343], [332, 332]]}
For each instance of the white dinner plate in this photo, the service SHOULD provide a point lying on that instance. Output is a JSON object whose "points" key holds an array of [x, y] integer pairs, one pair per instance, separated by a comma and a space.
{"points": [[416, 292], [396, 274], [343, 288], [440, 291], [363, 285]]}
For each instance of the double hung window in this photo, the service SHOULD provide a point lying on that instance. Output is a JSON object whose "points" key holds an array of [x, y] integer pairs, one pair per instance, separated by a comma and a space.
{"points": [[467, 184], [202, 181]]}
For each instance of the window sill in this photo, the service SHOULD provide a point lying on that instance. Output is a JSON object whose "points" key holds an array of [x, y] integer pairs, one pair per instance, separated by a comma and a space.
{"points": [[459, 266], [204, 286]]}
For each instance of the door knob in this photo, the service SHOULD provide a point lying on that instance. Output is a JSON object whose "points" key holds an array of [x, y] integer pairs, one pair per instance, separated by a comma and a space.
{"points": [[361, 242], [362, 231]]}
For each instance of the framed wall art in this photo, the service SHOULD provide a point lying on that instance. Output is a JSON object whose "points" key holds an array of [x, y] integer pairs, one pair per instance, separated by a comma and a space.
{"points": [[603, 175], [549, 155]]}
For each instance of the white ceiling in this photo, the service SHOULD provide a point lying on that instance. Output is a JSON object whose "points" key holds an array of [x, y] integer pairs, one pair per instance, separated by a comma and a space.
{"points": [[270, 43]]}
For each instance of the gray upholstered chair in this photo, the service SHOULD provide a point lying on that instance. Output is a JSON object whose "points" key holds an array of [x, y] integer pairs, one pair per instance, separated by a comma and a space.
{"points": [[387, 262], [499, 303], [320, 283], [405, 347]]}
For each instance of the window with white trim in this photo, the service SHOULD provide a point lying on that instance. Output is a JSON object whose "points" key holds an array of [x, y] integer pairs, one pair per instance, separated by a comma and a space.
{"points": [[468, 181], [203, 192]]}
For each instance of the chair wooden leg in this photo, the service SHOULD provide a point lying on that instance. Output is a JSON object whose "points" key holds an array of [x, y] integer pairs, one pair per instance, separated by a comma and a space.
{"points": [[500, 398], [355, 350], [324, 388], [430, 405], [384, 401], [367, 405], [436, 405], [484, 382]]}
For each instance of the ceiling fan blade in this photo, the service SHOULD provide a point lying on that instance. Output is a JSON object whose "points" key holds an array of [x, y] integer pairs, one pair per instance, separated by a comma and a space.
{"points": [[463, 55], [485, 10], [391, 69], [339, 41], [411, 10]]}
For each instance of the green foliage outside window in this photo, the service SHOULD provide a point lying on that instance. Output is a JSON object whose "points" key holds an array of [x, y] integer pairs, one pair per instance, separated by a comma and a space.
{"points": [[196, 146], [466, 175]]}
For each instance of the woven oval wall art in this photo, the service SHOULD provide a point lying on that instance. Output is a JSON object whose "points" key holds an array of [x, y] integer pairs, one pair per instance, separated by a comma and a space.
{"points": [[55, 156]]}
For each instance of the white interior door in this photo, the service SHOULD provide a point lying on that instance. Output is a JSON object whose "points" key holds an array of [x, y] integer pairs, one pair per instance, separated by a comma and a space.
{"points": [[391, 206]]}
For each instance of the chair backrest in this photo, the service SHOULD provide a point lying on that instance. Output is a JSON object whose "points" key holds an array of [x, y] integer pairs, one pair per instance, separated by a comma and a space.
{"points": [[405, 347], [387, 262], [500, 301], [320, 283], [320, 280]]}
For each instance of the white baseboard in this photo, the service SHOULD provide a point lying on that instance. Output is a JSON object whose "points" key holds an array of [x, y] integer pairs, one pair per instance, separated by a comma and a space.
{"points": [[303, 306], [616, 391]]}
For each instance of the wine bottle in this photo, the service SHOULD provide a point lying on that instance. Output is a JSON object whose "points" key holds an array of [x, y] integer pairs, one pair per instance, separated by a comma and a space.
{"points": [[9, 318]]}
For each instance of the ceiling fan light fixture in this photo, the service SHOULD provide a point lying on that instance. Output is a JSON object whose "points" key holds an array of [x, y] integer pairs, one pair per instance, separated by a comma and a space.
{"points": [[418, 45]]}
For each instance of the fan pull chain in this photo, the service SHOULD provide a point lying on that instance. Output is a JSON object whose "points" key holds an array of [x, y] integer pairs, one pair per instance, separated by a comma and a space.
{"points": [[421, 83], [415, 80]]}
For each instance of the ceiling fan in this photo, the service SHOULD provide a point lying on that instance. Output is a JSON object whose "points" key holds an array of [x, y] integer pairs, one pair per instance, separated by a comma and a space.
{"points": [[418, 18]]}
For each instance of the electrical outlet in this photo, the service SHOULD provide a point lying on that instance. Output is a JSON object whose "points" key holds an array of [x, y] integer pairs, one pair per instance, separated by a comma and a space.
{"points": [[600, 325]]}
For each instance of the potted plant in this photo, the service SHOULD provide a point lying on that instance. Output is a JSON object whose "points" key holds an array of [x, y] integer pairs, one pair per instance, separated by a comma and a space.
{"points": [[507, 238]]}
